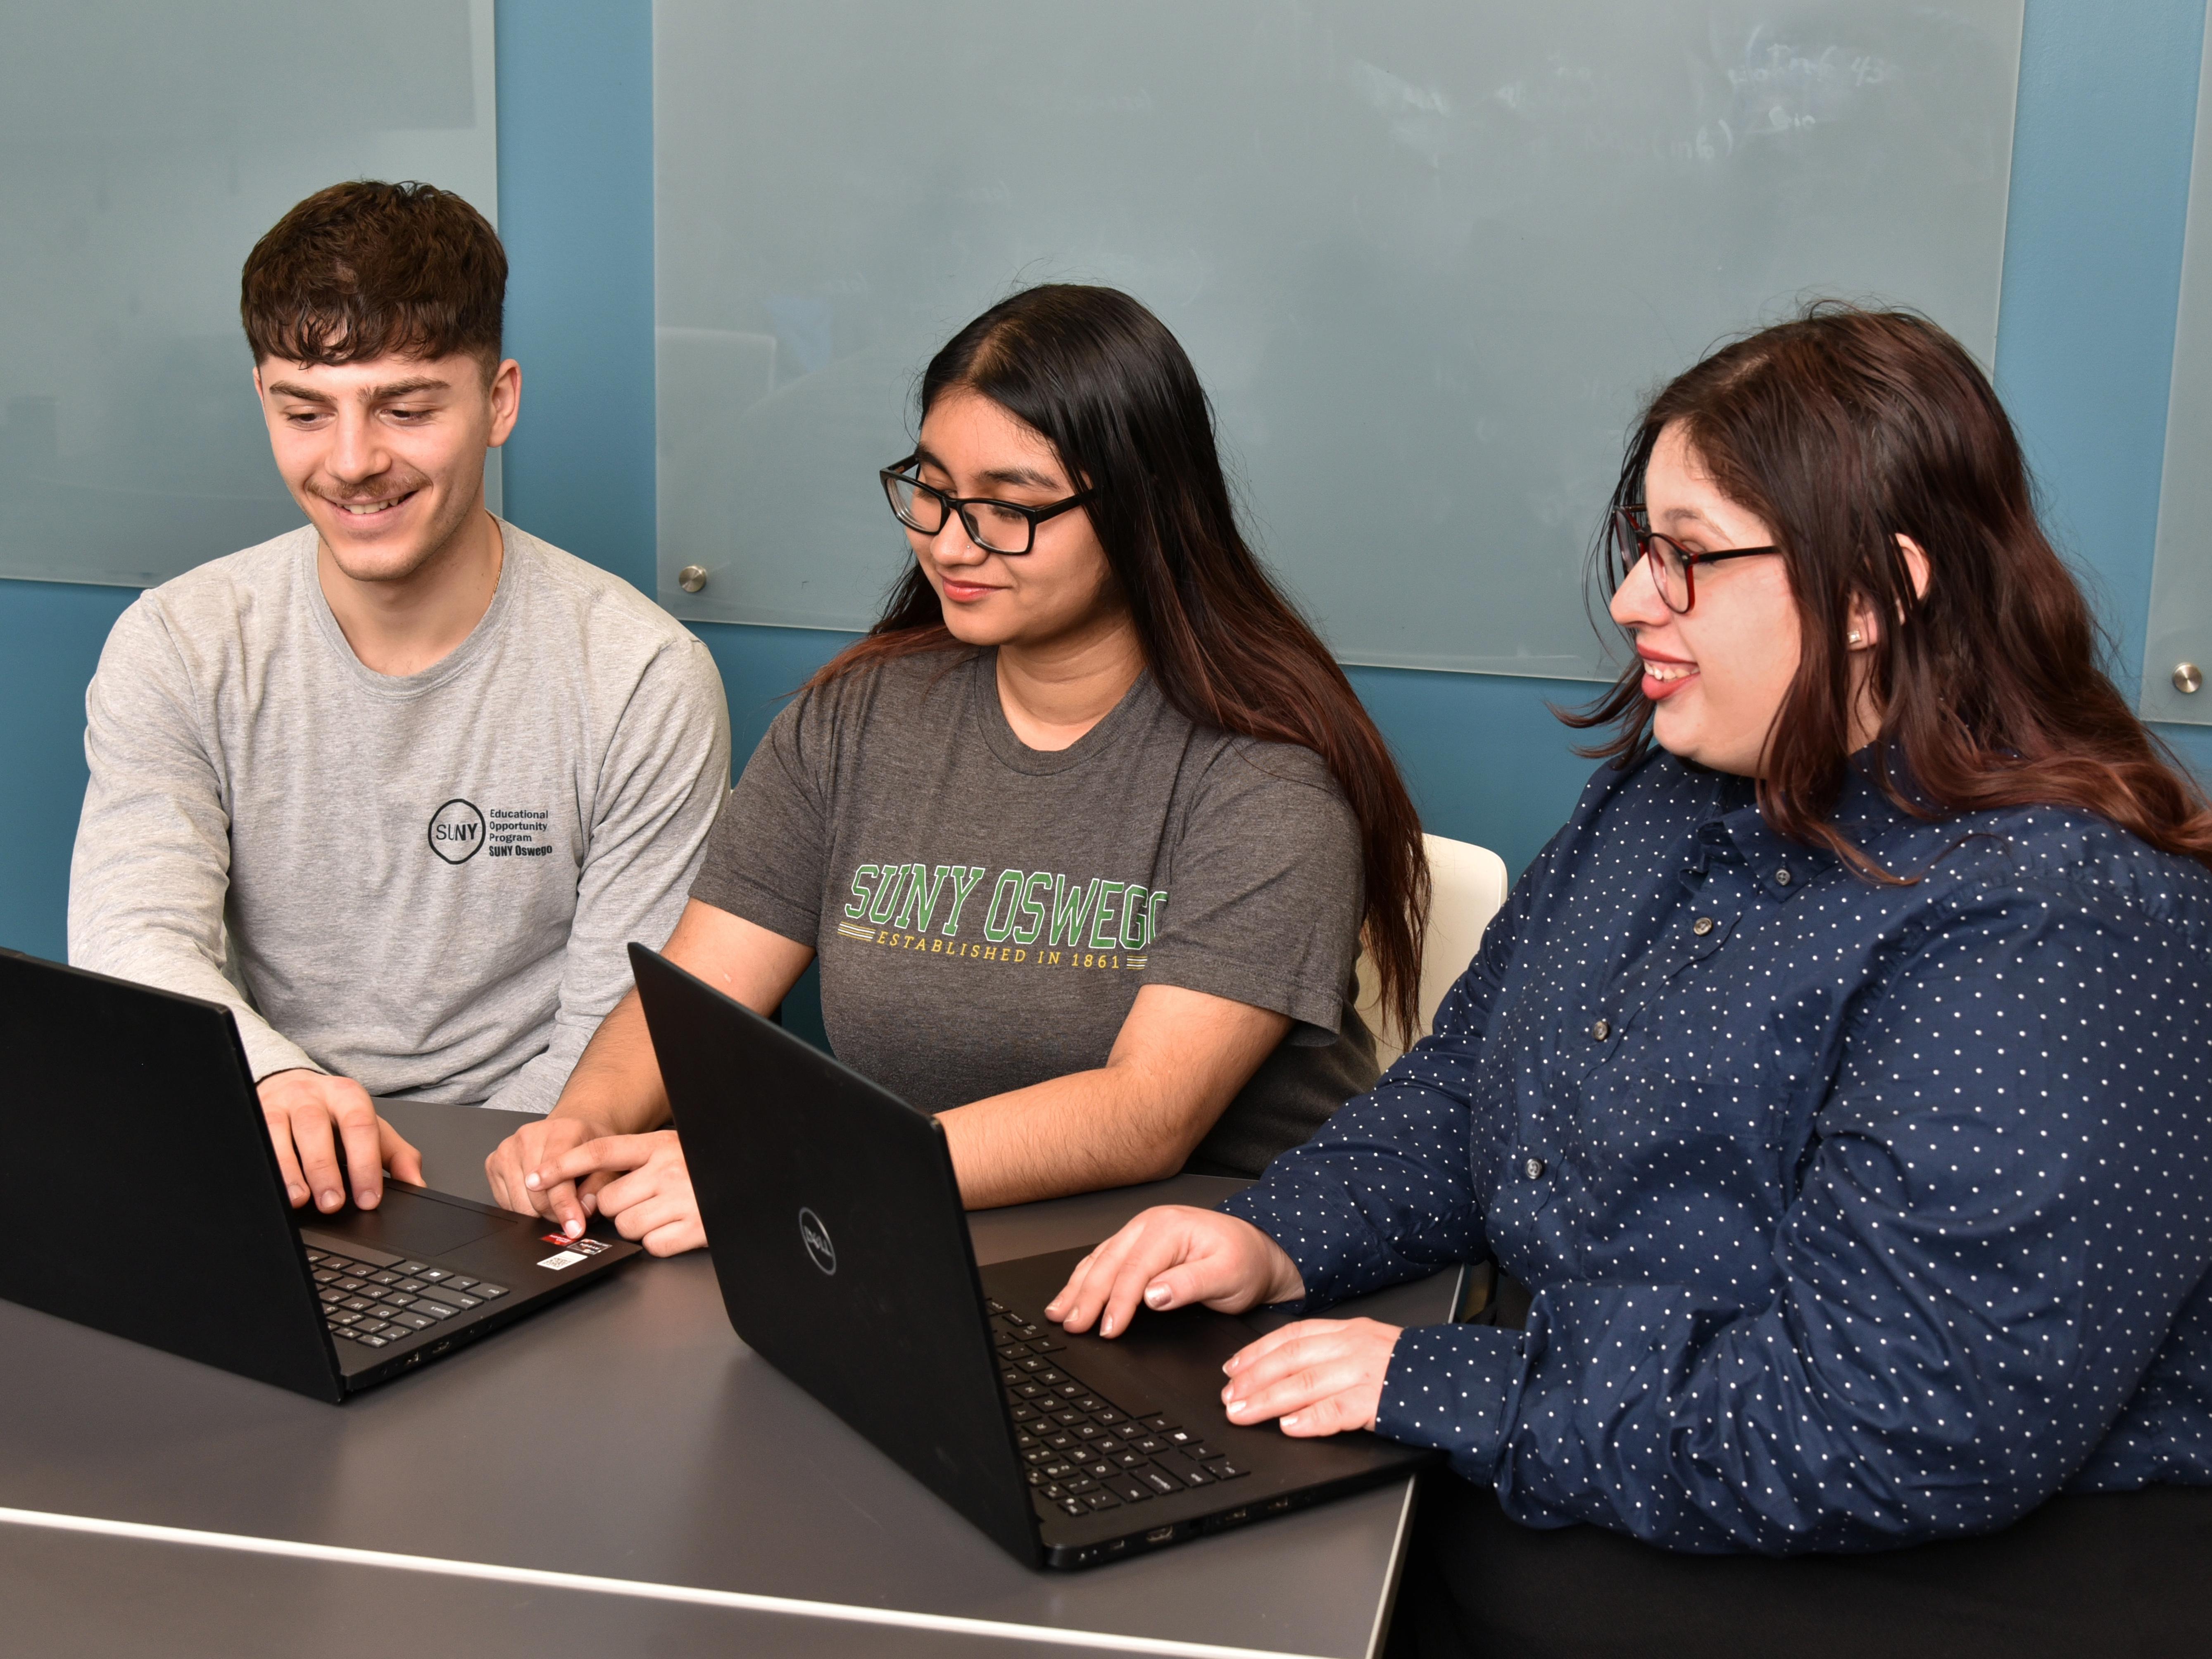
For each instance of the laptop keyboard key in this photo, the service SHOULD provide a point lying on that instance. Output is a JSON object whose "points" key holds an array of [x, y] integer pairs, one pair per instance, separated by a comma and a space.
{"points": [[1157, 1481], [374, 1342], [1134, 1492], [413, 1322], [1102, 1500], [1225, 1470], [487, 1290], [1195, 1476]]}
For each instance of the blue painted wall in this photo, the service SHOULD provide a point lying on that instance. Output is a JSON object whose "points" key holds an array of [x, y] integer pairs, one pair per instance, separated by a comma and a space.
{"points": [[2106, 116]]}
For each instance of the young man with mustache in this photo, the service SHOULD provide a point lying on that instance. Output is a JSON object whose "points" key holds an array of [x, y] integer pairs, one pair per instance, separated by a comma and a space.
{"points": [[396, 787]]}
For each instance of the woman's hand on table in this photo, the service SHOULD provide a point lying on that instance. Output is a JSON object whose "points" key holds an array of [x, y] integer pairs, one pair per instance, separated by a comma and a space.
{"points": [[639, 1183]]}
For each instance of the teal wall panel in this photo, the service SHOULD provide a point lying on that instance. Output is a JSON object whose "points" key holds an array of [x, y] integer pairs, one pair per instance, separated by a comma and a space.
{"points": [[575, 201], [50, 638], [2101, 146]]}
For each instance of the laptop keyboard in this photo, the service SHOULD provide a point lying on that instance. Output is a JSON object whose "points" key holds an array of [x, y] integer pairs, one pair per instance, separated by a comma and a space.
{"points": [[1084, 1452], [376, 1299]]}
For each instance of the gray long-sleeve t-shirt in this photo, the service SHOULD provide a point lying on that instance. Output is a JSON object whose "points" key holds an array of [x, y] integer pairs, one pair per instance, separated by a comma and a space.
{"points": [[423, 882]]}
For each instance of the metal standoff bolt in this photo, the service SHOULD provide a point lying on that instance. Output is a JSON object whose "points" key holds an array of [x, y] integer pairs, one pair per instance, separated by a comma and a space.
{"points": [[2187, 677], [691, 578]]}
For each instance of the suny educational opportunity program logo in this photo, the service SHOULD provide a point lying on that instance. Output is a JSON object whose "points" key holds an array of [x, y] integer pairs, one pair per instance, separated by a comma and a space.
{"points": [[457, 832]]}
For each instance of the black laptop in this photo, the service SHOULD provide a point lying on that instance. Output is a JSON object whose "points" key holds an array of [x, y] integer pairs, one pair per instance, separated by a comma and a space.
{"points": [[843, 1250], [145, 1200]]}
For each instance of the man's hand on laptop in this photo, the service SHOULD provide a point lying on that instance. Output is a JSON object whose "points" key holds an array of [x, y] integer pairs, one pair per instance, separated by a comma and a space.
{"points": [[639, 1183], [310, 1115]]}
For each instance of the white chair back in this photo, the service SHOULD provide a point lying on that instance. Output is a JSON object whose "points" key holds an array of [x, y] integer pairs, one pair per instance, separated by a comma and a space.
{"points": [[1467, 885]]}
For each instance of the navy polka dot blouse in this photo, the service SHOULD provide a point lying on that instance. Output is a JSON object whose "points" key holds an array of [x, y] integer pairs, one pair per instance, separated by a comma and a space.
{"points": [[1854, 1214]]}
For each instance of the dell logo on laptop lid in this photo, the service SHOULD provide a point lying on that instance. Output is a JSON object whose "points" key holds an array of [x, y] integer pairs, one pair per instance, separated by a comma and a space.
{"points": [[816, 1236]]}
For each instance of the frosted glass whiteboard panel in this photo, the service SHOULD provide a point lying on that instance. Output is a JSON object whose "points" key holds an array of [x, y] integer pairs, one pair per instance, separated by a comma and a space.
{"points": [[1425, 254], [145, 146], [2181, 578]]}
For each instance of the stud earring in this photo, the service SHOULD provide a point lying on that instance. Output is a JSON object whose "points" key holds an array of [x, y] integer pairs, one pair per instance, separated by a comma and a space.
{"points": [[1855, 636]]}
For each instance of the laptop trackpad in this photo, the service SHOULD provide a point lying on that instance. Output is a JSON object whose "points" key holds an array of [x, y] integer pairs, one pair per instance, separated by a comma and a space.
{"points": [[406, 1225]]}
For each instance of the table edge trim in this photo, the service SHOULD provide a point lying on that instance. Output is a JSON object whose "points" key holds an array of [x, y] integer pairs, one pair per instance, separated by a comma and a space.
{"points": [[747, 1600]]}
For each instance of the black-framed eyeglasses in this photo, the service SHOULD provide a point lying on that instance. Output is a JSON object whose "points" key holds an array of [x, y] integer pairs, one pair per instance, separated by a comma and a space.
{"points": [[1674, 567], [995, 526]]}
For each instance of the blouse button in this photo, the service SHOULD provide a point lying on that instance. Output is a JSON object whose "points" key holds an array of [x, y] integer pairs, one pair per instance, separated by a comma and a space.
{"points": [[1783, 877], [1533, 1168], [1702, 926], [1603, 1029]]}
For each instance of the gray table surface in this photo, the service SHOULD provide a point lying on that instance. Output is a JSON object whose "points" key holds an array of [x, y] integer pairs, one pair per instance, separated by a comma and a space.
{"points": [[619, 1473]]}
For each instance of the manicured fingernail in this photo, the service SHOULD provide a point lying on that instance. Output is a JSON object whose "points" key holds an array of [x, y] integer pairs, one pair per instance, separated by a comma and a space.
{"points": [[531, 1181], [572, 1228], [1052, 1310], [1106, 1326], [332, 1199], [591, 1203], [297, 1192], [366, 1198], [1238, 1407], [1228, 1366], [1155, 1295], [1291, 1422]]}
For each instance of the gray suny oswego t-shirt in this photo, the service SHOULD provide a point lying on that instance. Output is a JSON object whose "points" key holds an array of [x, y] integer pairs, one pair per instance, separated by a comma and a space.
{"points": [[986, 912]]}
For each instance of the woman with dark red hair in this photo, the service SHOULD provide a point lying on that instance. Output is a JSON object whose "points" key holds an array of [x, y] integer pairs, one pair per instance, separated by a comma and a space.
{"points": [[1834, 1082]]}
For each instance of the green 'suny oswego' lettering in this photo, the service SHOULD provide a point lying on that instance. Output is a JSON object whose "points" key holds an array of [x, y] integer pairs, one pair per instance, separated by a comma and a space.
{"points": [[1025, 907]]}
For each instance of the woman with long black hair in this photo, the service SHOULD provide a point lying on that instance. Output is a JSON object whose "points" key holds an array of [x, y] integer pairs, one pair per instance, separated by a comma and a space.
{"points": [[1835, 1081], [1086, 833]]}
